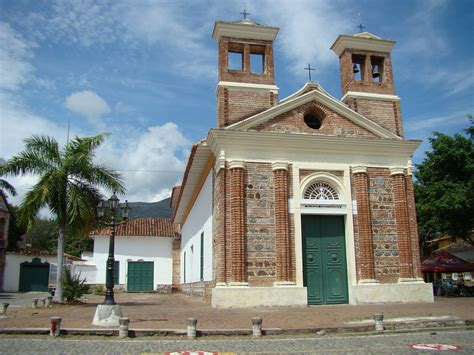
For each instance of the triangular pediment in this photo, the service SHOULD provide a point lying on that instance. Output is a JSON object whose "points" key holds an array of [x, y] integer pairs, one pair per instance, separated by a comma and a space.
{"points": [[338, 119]]}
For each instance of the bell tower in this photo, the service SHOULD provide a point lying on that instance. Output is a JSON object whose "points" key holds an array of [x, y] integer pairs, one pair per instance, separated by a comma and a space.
{"points": [[367, 78], [246, 72]]}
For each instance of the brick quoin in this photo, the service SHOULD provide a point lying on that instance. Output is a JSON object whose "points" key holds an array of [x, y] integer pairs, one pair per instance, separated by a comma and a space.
{"points": [[415, 247], [365, 254], [403, 228], [219, 227], [237, 226], [281, 220]]}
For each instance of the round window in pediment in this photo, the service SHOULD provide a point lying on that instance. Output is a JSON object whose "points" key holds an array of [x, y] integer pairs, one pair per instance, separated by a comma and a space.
{"points": [[313, 120]]}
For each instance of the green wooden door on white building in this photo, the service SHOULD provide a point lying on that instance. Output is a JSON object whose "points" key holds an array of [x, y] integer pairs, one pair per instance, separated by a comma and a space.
{"points": [[140, 276]]}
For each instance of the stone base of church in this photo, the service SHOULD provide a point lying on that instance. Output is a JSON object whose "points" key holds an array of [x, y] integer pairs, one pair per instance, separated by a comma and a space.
{"points": [[405, 292], [246, 297]]}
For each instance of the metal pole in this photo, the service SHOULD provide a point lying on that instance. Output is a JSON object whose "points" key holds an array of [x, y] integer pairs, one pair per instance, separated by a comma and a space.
{"points": [[109, 282]]}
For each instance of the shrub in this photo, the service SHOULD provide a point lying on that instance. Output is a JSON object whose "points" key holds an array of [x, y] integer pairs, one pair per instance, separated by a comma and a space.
{"points": [[73, 286], [98, 290]]}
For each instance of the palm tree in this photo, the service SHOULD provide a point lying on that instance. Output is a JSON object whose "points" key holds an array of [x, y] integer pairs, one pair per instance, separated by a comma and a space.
{"points": [[68, 181], [4, 184]]}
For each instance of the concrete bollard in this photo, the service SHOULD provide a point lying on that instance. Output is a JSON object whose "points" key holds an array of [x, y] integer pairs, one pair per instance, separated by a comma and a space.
{"points": [[42, 302], [35, 303], [257, 326], [55, 330], [49, 301], [378, 318], [123, 327], [191, 328], [3, 308]]}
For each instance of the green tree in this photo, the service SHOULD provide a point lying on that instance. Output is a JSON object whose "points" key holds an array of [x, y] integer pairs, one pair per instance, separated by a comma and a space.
{"points": [[444, 188], [68, 184], [4, 184]]}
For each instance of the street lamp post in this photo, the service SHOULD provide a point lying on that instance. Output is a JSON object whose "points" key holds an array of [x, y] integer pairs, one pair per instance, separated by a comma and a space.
{"points": [[108, 312]]}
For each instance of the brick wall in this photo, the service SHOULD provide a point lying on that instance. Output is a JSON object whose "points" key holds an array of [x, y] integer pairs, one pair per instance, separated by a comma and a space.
{"points": [[245, 75], [384, 229], [260, 195], [385, 113], [332, 124], [234, 105], [218, 226], [176, 261], [365, 85]]}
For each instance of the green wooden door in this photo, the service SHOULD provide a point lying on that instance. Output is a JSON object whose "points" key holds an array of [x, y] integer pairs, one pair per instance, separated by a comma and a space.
{"points": [[324, 263], [140, 276], [34, 276]]}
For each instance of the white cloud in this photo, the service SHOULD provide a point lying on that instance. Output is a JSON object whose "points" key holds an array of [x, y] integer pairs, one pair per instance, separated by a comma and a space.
{"points": [[307, 30], [150, 162], [16, 124], [430, 124], [15, 53], [89, 105]]}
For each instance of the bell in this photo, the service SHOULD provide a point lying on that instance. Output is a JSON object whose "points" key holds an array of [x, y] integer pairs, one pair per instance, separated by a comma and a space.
{"points": [[355, 69], [375, 72]]}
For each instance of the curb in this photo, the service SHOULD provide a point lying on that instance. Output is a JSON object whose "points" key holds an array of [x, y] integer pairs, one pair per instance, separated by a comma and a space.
{"points": [[390, 327]]}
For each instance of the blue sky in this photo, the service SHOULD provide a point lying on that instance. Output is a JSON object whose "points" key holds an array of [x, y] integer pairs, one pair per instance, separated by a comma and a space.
{"points": [[146, 71]]}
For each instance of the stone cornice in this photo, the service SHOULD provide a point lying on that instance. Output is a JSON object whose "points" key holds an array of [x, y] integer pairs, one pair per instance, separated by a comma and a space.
{"points": [[359, 169], [287, 143], [236, 164], [247, 86], [363, 43], [243, 30], [279, 166], [398, 170], [368, 96]]}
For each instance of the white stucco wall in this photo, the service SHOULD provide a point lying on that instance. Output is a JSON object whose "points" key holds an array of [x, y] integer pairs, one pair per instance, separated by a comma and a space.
{"points": [[156, 249], [86, 271], [199, 221], [11, 281]]}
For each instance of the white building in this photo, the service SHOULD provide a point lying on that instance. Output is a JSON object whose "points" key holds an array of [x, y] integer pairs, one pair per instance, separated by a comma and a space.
{"points": [[143, 255]]}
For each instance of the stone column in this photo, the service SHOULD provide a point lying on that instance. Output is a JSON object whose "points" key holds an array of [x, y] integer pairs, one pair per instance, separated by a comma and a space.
{"points": [[365, 258], [282, 243], [415, 247], [402, 223], [237, 227], [246, 54]]}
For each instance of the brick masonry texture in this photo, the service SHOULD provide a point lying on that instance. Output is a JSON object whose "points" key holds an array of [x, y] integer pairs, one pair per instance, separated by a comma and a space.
{"points": [[176, 261], [365, 255], [236, 104], [365, 85], [332, 123], [238, 211], [403, 228], [261, 230], [219, 226], [384, 228], [384, 113], [282, 243], [413, 227]]}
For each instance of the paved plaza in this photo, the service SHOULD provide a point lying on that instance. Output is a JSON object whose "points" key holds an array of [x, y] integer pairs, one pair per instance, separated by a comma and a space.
{"points": [[374, 344], [170, 311]]}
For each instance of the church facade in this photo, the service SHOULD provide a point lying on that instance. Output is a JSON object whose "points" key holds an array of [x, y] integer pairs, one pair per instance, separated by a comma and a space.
{"points": [[304, 200]]}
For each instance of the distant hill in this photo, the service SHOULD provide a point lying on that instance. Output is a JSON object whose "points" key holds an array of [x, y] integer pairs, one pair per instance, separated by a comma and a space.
{"points": [[159, 209]]}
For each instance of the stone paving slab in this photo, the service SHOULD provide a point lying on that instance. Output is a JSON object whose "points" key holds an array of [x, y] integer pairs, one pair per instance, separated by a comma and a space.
{"points": [[156, 311]]}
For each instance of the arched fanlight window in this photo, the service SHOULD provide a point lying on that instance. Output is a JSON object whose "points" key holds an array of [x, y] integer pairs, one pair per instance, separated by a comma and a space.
{"points": [[321, 191]]}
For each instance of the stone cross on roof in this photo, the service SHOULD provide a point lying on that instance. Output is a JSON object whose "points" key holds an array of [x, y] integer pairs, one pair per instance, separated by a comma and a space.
{"points": [[245, 13]]}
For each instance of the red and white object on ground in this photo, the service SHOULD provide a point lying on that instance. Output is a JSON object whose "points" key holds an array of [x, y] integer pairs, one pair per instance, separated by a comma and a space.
{"points": [[435, 347]]}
